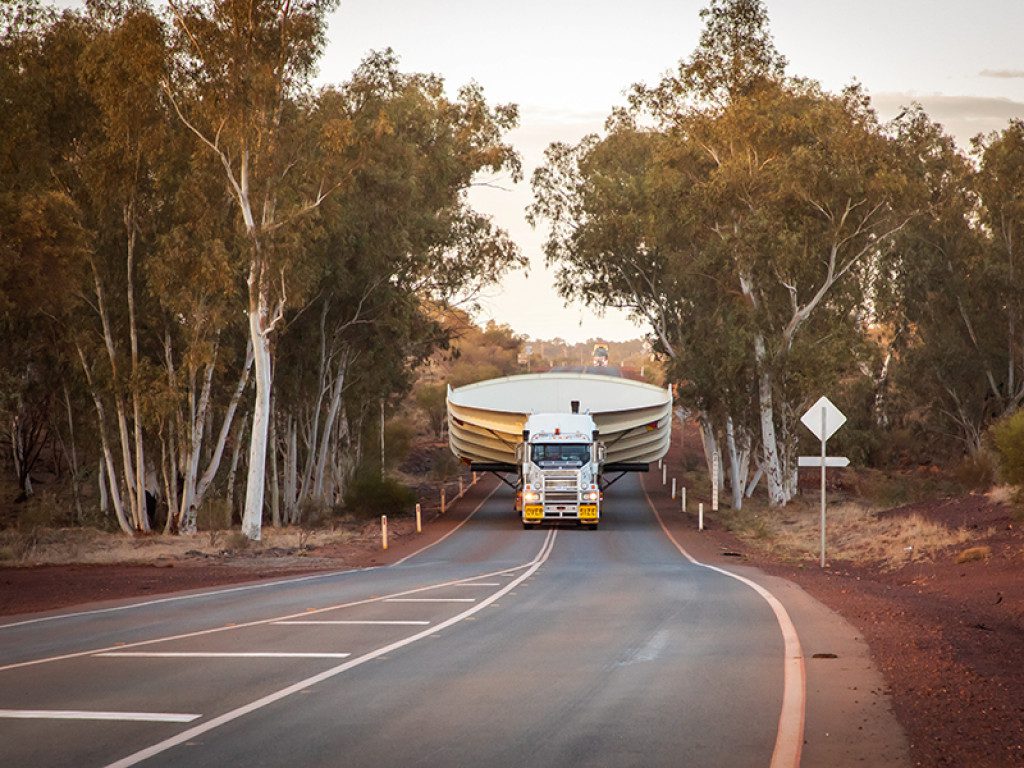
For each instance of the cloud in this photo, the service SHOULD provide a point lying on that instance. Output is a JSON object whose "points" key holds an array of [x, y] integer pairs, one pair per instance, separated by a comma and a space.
{"points": [[962, 116], [1008, 74]]}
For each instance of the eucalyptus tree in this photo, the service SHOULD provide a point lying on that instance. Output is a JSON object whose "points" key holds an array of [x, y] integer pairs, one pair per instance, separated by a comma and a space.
{"points": [[242, 88], [120, 71], [727, 175], [398, 238], [952, 292]]}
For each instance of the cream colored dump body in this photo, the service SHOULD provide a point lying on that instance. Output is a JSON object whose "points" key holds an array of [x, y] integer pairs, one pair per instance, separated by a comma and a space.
{"points": [[485, 420]]}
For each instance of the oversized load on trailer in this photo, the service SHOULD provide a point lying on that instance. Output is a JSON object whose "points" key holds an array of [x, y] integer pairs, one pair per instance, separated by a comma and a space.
{"points": [[561, 435]]}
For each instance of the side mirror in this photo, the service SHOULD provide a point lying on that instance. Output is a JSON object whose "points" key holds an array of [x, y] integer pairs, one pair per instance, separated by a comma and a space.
{"points": [[602, 452], [520, 453]]}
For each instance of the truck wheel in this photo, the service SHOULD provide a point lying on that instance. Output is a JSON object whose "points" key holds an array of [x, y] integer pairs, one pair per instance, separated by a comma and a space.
{"points": [[591, 526], [527, 526]]}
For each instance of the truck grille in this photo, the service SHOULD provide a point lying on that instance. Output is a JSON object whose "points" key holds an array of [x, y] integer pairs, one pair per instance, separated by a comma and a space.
{"points": [[562, 487]]}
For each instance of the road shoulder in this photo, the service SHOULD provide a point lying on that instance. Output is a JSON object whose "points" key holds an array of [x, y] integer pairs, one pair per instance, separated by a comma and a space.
{"points": [[849, 718]]}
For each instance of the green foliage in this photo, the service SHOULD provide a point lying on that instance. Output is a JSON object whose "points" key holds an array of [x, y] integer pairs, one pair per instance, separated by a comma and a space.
{"points": [[1008, 436], [368, 494]]}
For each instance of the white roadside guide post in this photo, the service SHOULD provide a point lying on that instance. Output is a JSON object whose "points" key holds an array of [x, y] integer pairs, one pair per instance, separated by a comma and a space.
{"points": [[824, 420], [419, 519], [384, 531], [714, 481]]}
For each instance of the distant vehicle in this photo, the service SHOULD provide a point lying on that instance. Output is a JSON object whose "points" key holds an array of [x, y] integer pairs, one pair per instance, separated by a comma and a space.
{"points": [[532, 427], [600, 355]]}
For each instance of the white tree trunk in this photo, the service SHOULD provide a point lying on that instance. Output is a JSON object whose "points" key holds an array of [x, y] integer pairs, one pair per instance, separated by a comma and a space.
{"points": [[218, 452], [101, 423], [252, 519], [712, 449], [738, 445], [101, 479], [325, 435], [275, 487]]}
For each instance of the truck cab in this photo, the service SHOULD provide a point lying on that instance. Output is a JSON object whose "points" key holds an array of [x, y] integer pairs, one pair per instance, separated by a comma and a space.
{"points": [[560, 459]]}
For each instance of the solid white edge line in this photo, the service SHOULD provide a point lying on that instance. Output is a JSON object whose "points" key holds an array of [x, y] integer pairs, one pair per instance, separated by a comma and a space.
{"points": [[453, 530], [789, 738], [254, 623], [173, 598], [74, 714], [227, 717], [220, 655], [328, 622], [243, 587]]}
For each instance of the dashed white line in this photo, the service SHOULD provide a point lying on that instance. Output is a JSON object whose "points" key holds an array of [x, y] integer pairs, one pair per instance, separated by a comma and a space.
{"points": [[478, 584], [430, 600], [74, 714], [219, 655], [255, 623], [354, 622]]}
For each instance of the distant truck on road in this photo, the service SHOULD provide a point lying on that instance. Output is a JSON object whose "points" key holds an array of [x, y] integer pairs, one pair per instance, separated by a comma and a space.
{"points": [[600, 355], [559, 439]]}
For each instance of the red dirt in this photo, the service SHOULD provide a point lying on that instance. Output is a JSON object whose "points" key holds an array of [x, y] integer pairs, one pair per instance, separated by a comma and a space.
{"points": [[948, 637], [30, 589]]}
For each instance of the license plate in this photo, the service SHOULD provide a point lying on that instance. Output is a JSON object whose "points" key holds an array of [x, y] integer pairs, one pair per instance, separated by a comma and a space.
{"points": [[533, 511], [588, 511]]}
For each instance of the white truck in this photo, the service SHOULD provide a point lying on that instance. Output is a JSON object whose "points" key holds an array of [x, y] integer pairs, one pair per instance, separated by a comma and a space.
{"points": [[559, 439]]}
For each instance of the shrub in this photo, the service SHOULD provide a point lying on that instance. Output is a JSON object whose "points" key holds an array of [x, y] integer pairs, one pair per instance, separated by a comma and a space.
{"points": [[977, 470], [1008, 435], [369, 494]]}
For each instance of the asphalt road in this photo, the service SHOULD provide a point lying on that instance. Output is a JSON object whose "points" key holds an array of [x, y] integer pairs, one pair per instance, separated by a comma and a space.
{"points": [[496, 647]]}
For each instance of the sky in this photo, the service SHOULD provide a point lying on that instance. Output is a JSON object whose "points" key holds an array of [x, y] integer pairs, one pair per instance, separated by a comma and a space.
{"points": [[566, 63]]}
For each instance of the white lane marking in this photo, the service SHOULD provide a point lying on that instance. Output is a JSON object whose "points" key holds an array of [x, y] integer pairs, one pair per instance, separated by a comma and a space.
{"points": [[453, 530], [219, 655], [74, 714], [789, 738], [173, 598], [430, 600], [227, 717], [244, 587], [479, 584], [255, 623], [375, 623]]}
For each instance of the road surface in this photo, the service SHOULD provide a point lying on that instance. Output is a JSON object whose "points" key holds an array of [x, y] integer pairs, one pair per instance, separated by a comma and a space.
{"points": [[495, 647]]}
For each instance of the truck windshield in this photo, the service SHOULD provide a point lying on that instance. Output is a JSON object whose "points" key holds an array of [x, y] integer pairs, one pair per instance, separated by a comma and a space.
{"points": [[561, 454]]}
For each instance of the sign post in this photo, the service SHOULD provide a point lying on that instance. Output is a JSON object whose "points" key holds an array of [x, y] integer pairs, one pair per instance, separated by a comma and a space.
{"points": [[824, 420]]}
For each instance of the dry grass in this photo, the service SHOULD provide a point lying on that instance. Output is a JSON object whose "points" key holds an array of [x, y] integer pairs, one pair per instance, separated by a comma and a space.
{"points": [[856, 534], [61, 546], [1003, 494], [972, 554]]}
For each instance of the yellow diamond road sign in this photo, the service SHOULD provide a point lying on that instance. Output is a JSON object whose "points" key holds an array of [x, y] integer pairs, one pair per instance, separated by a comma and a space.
{"points": [[834, 419]]}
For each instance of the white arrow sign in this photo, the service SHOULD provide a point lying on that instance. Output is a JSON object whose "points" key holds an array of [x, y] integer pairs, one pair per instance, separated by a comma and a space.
{"points": [[830, 461], [834, 418]]}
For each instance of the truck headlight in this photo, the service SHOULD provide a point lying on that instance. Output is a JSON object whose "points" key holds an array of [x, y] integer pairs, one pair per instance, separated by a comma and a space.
{"points": [[531, 496], [592, 496]]}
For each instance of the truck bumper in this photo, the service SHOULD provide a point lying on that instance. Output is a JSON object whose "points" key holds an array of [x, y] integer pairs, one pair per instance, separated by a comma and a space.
{"points": [[540, 513]]}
